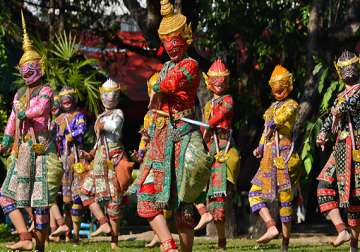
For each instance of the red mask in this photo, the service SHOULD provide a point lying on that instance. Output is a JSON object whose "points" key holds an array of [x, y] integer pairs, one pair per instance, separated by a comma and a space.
{"points": [[175, 47], [218, 85]]}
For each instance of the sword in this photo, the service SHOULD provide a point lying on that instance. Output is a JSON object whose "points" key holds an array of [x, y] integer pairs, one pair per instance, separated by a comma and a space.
{"points": [[184, 119]]}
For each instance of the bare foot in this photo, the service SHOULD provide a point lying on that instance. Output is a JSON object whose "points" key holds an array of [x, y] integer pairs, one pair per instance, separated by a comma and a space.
{"points": [[270, 234], [54, 238], [60, 230], [204, 220], [114, 246], [104, 228], [154, 242], [342, 237], [21, 245]]}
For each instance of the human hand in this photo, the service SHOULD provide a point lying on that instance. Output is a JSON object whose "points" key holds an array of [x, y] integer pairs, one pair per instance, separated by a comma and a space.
{"points": [[85, 155], [321, 140], [258, 152]]}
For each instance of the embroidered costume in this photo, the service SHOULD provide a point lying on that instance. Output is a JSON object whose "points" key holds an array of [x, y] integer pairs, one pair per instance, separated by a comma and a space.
{"points": [[275, 179], [34, 171], [175, 147], [339, 180], [100, 184], [146, 132], [71, 128], [279, 166], [218, 113]]}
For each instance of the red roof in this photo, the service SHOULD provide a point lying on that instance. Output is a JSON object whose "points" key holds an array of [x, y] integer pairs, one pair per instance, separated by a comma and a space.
{"points": [[129, 68]]}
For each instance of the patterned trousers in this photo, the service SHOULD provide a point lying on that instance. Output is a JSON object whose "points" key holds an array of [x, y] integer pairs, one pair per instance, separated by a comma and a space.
{"points": [[41, 215], [285, 200], [328, 199]]}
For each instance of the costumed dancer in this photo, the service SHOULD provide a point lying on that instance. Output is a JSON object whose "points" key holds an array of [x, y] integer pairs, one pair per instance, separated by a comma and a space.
{"points": [[100, 187], [175, 146], [71, 129], [218, 113], [279, 165], [339, 180], [55, 112], [34, 170], [146, 132]]}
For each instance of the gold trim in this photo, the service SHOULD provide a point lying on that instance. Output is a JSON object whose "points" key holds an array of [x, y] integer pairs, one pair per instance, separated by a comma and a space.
{"points": [[67, 92], [218, 74], [349, 62], [109, 89], [173, 22], [30, 54], [281, 77]]}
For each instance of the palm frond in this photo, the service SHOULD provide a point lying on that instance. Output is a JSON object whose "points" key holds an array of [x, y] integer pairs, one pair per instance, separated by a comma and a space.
{"points": [[64, 46], [93, 99]]}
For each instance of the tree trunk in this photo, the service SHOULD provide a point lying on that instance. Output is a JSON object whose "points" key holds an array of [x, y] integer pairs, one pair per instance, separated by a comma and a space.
{"points": [[51, 14], [147, 19], [310, 93], [177, 5], [61, 20]]}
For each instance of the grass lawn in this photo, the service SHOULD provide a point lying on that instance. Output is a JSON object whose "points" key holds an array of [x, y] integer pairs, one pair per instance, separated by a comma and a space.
{"points": [[201, 245]]}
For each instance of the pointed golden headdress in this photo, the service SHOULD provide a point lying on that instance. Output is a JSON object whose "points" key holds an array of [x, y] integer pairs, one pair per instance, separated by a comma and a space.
{"points": [[173, 22], [280, 73], [30, 54]]}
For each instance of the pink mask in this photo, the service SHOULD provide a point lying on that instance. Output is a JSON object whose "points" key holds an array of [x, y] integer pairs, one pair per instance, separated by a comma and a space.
{"points": [[175, 47], [31, 72]]}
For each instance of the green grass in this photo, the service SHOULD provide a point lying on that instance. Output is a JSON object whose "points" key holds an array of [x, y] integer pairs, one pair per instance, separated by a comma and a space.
{"points": [[201, 245]]}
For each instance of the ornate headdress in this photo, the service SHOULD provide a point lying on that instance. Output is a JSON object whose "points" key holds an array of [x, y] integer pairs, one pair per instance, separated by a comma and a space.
{"points": [[110, 86], [283, 75], [347, 65], [30, 54], [67, 91], [217, 69], [172, 22], [151, 82]]}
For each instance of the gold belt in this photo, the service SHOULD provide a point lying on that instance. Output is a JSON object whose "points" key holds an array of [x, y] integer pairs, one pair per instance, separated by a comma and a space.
{"points": [[162, 116], [344, 134]]}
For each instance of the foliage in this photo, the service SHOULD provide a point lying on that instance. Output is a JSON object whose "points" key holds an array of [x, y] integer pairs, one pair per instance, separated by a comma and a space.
{"points": [[321, 72], [265, 34], [254, 36], [65, 67], [4, 231]]}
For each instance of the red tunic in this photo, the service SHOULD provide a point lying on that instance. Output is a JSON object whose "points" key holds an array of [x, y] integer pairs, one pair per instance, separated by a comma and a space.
{"points": [[218, 113], [221, 112], [179, 85]]}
